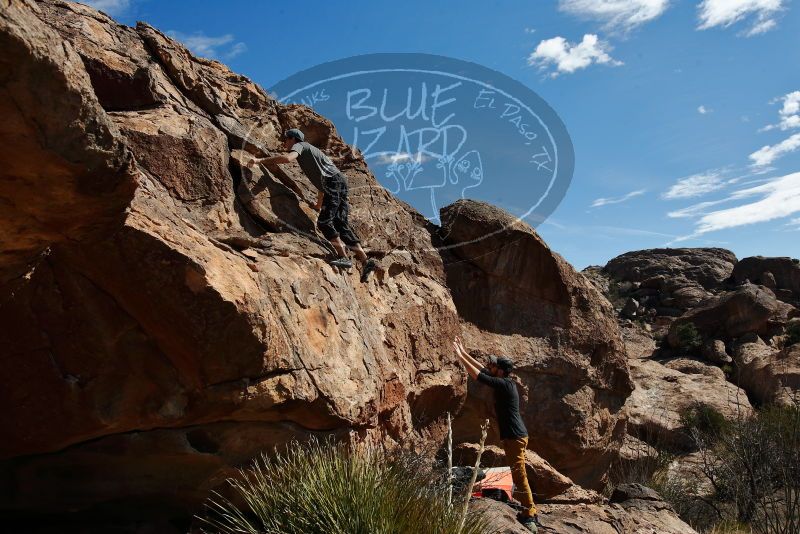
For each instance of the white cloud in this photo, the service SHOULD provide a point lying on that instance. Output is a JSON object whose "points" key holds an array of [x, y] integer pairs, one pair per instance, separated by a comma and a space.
{"points": [[530, 30], [211, 47], [630, 231], [694, 210], [238, 48], [769, 153], [702, 110], [605, 201], [696, 185], [724, 13], [777, 198], [621, 15], [389, 158], [789, 113], [109, 7], [762, 26], [569, 57]]}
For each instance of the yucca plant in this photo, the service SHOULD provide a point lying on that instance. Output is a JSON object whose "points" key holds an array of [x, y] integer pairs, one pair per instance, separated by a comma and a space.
{"points": [[324, 487]]}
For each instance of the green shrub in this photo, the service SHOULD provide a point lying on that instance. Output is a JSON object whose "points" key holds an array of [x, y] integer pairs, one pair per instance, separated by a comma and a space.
{"points": [[793, 334], [326, 488], [704, 419], [688, 337], [730, 372]]}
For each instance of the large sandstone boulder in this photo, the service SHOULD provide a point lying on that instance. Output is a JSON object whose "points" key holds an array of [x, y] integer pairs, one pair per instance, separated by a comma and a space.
{"points": [[150, 351], [749, 308], [177, 314], [714, 351], [657, 285], [784, 273], [516, 297], [769, 375], [664, 393], [671, 268]]}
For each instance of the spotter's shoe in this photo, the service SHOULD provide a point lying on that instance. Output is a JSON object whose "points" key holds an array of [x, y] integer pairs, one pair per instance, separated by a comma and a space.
{"points": [[342, 263], [369, 266], [530, 522]]}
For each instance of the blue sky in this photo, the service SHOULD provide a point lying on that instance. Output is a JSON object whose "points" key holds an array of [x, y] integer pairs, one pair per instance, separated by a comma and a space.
{"points": [[684, 114]]}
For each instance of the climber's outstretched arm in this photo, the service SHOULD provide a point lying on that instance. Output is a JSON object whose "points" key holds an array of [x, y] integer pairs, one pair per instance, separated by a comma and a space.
{"points": [[283, 158], [472, 369], [272, 162], [460, 347]]}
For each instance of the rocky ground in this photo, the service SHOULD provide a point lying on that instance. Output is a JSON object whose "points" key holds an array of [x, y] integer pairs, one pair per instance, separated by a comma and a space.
{"points": [[168, 311], [632, 508]]}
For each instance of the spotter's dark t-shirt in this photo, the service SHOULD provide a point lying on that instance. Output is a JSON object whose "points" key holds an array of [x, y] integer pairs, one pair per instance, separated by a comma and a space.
{"points": [[506, 405]]}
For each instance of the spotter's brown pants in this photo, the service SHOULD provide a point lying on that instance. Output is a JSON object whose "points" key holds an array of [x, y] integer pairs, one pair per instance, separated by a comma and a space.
{"points": [[515, 456]]}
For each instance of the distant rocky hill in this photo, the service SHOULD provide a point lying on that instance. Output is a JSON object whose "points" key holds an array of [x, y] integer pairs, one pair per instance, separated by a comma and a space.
{"points": [[702, 329], [168, 311]]}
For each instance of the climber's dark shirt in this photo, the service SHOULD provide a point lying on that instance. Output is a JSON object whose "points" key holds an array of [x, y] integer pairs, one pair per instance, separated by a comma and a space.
{"points": [[506, 405]]}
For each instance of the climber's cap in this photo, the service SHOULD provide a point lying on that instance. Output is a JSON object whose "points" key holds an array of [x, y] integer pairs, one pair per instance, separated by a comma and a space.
{"points": [[506, 364], [294, 133]]}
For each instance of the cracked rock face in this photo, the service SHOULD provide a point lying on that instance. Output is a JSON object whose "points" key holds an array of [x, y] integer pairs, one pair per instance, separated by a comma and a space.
{"points": [[168, 312]]}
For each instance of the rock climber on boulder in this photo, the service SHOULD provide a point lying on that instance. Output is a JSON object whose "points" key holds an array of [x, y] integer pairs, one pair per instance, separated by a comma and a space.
{"points": [[512, 430], [332, 201]]}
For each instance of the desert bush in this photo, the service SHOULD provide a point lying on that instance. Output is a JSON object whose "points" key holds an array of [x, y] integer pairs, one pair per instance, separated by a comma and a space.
{"points": [[646, 457], [748, 467], [753, 465], [682, 495], [327, 488], [729, 527], [704, 419], [689, 338]]}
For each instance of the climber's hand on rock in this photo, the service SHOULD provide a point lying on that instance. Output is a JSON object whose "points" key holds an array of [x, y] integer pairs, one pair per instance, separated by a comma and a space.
{"points": [[458, 351], [259, 161], [460, 345]]}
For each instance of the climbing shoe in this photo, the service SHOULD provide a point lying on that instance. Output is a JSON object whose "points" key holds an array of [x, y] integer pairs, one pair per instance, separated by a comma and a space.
{"points": [[369, 266], [343, 263], [531, 522]]}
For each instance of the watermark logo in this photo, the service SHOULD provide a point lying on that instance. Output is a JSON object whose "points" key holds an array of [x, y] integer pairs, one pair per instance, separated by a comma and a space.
{"points": [[435, 129]]}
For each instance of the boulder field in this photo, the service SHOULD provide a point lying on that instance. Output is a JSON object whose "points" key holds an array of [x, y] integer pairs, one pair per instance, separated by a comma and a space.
{"points": [[702, 329]]}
